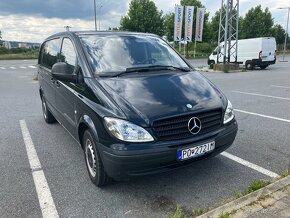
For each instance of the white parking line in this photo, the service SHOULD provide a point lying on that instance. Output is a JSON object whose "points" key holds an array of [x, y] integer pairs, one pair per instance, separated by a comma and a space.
{"points": [[2, 68], [12, 68], [283, 87], [250, 165], [262, 115], [45, 199], [22, 67], [32, 67], [268, 96]]}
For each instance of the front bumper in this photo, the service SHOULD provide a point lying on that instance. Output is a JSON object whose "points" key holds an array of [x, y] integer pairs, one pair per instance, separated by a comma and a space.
{"points": [[122, 165]]}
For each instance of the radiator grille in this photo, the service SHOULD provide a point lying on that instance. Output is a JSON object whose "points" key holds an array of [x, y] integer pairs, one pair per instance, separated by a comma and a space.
{"points": [[174, 128]]}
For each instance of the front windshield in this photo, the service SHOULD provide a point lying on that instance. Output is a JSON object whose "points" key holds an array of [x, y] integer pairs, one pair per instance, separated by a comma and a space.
{"points": [[113, 53]]}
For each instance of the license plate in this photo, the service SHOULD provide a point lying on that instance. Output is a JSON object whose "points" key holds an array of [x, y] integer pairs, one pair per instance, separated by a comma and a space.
{"points": [[187, 153]]}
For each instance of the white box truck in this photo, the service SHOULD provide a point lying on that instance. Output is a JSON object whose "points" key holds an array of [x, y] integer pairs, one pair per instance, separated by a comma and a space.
{"points": [[259, 52]]}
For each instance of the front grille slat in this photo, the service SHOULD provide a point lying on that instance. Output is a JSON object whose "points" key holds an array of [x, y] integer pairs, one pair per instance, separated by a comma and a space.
{"points": [[173, 132], [210, 124], [210, 120], [171, 126], [175, 128]]}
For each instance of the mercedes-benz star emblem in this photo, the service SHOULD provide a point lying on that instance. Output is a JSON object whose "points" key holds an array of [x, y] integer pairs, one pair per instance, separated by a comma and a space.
{"points": [[194, 125], [189, 106]]}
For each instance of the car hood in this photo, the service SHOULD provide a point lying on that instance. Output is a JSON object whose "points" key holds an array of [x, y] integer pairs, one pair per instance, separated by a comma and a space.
{"points": [[148, 97]]}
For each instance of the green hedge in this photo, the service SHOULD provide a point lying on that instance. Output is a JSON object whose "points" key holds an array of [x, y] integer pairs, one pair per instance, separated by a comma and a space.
{"points": [[4, 50], [203, 49], [18, 56], [18, 53]]}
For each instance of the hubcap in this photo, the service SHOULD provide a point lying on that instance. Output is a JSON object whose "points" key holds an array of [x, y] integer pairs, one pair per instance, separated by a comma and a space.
{"points": [[44, 109], [91, 158]]}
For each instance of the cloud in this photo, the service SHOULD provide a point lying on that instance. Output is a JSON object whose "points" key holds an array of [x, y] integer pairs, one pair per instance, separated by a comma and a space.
{"points": [[34, 20], [166, 5], [36, 29], [65, 9]]}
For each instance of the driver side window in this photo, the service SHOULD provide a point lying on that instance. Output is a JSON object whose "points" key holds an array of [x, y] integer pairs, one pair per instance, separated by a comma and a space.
{"points": [[68, 54]]}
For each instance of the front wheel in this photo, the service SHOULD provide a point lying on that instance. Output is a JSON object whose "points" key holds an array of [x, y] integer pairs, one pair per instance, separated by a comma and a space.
{"points": [[211, 62], [93, 161]]}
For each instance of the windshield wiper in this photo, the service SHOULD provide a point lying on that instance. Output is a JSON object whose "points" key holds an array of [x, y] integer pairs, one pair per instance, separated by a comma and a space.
{"points": [[170, 67], [151, 68]]}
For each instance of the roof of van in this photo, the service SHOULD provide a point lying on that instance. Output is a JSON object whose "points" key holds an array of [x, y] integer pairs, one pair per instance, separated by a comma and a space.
{"points": [[82, 33]]}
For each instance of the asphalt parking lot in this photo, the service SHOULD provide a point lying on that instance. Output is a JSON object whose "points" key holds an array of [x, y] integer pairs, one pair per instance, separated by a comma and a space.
{"points": [[261, 151]]}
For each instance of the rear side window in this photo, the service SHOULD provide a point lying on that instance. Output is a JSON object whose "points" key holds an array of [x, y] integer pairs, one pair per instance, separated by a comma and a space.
{"points": [[50, 53], [68, 54]]}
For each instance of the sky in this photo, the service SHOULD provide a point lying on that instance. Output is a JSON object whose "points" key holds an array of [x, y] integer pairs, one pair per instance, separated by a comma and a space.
{"points": [[34, 20]]}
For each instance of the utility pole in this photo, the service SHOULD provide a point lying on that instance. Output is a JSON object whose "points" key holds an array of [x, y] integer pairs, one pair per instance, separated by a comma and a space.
{"points": [[228, 32], [67, 28], [100, 16], [95, 15], [286, 34]]}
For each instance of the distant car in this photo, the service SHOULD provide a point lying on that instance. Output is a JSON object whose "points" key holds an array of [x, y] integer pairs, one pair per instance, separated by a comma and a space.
{"points": [[259, 52], [132, 102]]}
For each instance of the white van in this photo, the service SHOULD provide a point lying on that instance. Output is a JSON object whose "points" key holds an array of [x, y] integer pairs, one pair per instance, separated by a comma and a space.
{"points": [[259, 52]]}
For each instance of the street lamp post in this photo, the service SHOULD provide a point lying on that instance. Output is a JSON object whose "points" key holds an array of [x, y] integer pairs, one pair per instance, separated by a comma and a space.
{"points": [[100, 16], [286, 34], [67, 28], [95, 15]]}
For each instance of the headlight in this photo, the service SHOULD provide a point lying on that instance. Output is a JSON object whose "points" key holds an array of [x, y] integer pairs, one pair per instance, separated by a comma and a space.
{"points": [[127, 131], [229, 114]]}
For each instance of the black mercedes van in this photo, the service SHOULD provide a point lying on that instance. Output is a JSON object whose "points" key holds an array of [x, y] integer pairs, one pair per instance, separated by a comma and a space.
{"points": [[132, 102]]}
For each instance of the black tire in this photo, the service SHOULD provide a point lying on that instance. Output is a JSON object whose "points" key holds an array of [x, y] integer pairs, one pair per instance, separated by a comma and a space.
{"points": [[264, 67], [249, 65], [93, 161], [48, 117], [211, 62]]}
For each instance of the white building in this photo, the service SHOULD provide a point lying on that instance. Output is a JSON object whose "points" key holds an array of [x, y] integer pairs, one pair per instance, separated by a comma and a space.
{"points": [[22, 45], [7, 44]]}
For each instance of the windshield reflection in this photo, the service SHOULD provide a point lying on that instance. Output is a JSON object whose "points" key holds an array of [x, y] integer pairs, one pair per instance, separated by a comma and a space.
{"points": [[114, 53]]}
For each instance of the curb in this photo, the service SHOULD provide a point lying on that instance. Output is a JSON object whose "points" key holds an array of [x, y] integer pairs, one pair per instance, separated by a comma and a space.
{"points": [[217, 71], [247, 199]]}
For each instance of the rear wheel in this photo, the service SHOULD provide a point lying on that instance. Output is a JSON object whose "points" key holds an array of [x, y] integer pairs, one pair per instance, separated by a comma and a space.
{"points": [[48, 117], [264, 67], [249, 65], [93, 161]]}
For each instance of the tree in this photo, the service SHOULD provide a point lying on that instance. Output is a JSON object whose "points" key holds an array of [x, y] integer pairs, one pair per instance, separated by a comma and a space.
{"points": [[169, 26], [1, 43], [214, 27], [113, 29], [257, 23], [278, 32], [143, 16]]}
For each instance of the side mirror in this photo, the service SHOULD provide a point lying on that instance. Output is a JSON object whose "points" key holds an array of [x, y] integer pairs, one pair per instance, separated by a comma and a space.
{"points": [[214, 53], [63, 72]]}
